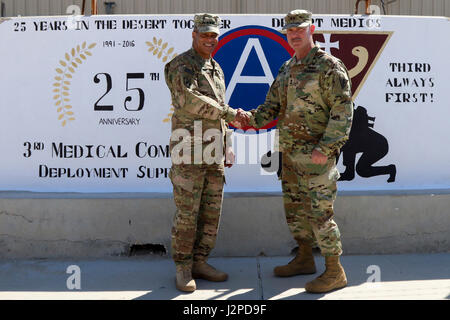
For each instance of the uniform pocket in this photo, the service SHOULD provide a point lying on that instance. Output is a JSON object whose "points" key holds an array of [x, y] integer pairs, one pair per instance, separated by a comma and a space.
{"points": [[303, 163], [181, 180], [325, 180]]}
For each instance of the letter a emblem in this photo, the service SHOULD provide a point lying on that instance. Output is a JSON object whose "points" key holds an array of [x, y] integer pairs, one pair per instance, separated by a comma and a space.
{"points": [[237, 75]]}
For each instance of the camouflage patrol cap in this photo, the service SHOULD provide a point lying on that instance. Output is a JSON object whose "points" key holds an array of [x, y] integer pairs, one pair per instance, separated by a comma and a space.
{"points": [[297, 18], [205, 22]]}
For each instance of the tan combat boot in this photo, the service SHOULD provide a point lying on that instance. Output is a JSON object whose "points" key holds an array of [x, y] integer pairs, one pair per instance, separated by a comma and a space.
{"points": [[303, 263], [333, 277], [184, 281], [202, 270]]}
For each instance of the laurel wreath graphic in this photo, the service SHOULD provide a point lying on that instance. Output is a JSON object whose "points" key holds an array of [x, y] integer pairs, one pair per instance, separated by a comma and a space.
{"points": [[65, 72], [158, 48], [169, 115]]}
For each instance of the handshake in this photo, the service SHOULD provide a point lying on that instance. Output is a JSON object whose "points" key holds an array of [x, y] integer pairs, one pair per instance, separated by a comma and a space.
{"points": [[242, 119]]}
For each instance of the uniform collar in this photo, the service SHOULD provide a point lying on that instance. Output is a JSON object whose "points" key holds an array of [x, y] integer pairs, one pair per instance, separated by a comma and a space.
{"points": [[309, 57], [199, 60]]}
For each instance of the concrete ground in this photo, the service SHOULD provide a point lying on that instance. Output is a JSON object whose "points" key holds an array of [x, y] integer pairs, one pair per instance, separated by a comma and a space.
{"points": [[405, 277]]}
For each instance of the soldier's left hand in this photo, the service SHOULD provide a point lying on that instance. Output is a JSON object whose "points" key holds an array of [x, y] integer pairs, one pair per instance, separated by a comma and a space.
{"points": [[243, 117], [229, 157], [318, 158]]}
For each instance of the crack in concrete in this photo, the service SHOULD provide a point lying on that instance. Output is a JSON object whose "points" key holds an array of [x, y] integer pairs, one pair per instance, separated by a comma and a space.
{"points": [[65, 240], [260, 284], [405, 234], [16, 215]]}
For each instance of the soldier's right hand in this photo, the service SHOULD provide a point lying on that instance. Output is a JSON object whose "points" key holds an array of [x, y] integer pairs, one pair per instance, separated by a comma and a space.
{"points": [[242, 119]]}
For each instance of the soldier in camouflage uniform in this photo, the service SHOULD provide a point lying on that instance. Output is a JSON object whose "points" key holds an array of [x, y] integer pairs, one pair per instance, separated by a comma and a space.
{"points": [[197, 87], [311, 97]]}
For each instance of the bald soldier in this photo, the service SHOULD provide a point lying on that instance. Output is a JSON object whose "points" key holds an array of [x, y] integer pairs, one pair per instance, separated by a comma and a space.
{"points": [[198, 152], [311, 97]]}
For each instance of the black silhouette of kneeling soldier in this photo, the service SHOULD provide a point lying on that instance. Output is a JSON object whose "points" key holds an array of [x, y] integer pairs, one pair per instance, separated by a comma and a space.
{"points": [[371, 144]]}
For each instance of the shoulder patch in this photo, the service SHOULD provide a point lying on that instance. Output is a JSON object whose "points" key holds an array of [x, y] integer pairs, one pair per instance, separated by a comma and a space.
{"points": [[326, 58]]}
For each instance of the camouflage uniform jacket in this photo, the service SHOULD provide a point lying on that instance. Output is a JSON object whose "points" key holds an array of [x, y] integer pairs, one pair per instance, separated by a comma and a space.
{"points": [[197, 88], [312, 100]]}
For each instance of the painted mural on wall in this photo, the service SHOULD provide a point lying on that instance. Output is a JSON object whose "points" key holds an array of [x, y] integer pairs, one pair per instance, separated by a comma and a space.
{"points": [[89, 110]]}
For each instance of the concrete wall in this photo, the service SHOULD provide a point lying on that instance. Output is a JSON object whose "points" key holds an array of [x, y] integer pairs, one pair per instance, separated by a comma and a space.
{"points": [[76, 225]]}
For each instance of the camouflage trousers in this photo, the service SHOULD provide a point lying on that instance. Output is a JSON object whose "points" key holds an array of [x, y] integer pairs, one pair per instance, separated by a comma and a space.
{"points": [[198, 195], [309, 191]]}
